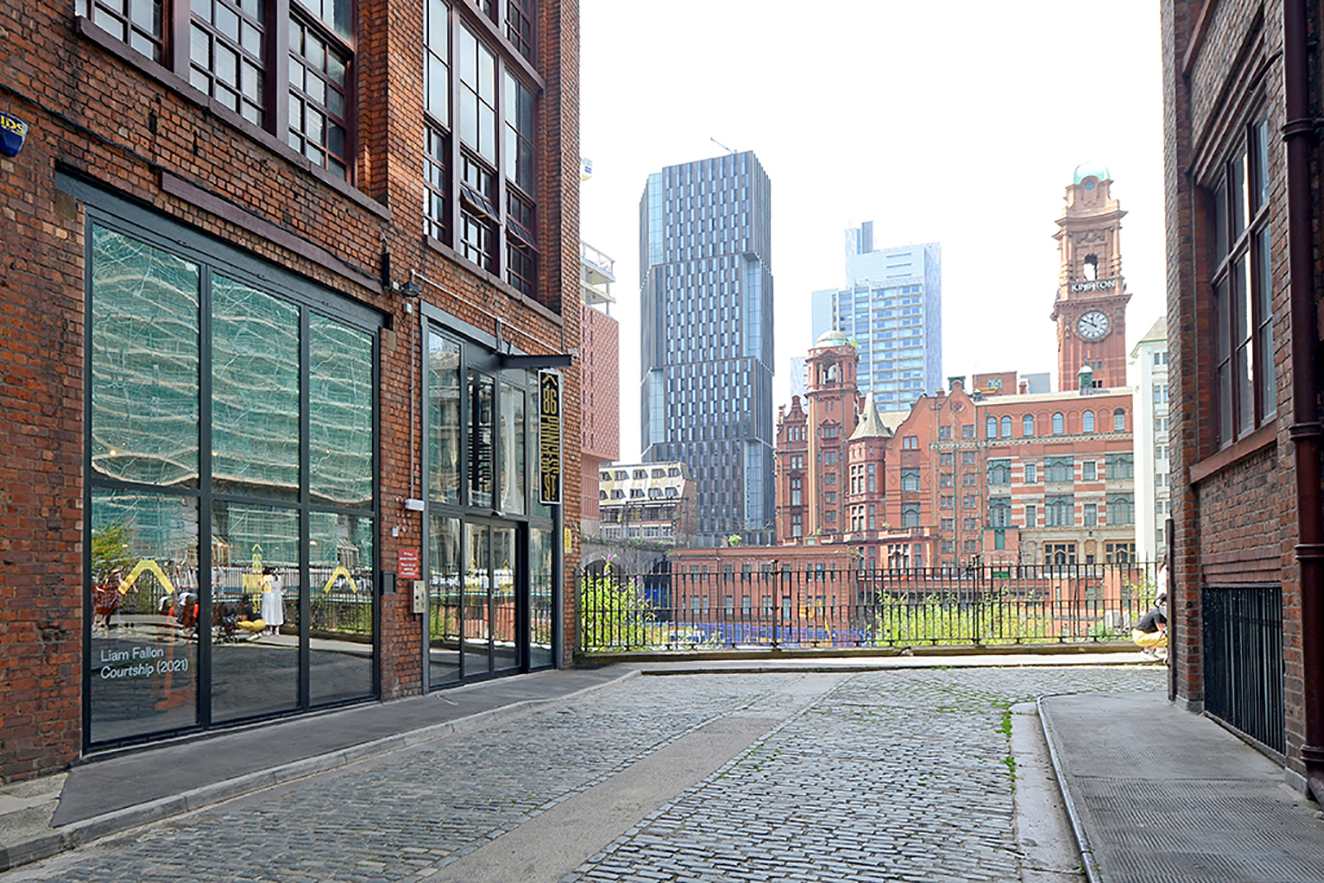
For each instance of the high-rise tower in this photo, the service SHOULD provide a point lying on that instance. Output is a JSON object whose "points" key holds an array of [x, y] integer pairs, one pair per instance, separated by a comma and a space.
{"points": [[891, 308], [705, 278], [1090, 309]]}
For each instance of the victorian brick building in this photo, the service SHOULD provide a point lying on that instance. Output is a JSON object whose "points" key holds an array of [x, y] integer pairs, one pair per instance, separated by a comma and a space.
{"points": [[1241, 88], [280, 280], [994, 474]]}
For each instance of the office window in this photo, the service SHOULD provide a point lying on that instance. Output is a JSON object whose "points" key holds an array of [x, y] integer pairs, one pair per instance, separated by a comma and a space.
{"points": [[1245, 378], [1059, 424], [909, 479], [991, 427], [910, 515], [1060, 511], [1119, 420], [1031, 517], [1121, 509], [1120, 465], [226, 55], [1087, 422], [1027, 425], [1059, 469], [999, 471], [460, 144], [1031, 473], [968, 431], [1089, 470], [999, 513], [1091, 514]]}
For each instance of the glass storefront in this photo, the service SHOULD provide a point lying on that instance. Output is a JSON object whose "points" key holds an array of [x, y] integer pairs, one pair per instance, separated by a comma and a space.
{"points": [[489, 544], [232, 485]]}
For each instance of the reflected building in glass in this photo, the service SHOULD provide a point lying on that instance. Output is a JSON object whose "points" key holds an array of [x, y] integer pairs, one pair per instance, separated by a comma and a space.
{"points": [[706, 288]]}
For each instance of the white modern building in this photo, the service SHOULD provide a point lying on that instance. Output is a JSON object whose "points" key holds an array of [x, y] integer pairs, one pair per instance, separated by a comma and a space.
{"points": [[1150, 356]]}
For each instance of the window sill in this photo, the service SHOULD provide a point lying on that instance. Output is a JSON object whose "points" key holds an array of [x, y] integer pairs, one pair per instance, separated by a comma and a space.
{"points": [[185, 90], [1261, 438]]}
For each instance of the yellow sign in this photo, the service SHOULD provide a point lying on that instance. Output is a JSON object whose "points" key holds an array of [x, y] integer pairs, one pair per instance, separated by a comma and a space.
{"points": [[151, 567], [252, 579], [336, 574], [549, 437]]}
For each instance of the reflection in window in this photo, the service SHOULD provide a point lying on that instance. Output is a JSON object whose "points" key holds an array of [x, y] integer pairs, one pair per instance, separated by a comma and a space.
{"points": [[443, 601], [143, 667], [444, 419], [481, 427], [254, 672], [340, 598], [514, 457], [144, 362], [340, 402], [255, 392]]}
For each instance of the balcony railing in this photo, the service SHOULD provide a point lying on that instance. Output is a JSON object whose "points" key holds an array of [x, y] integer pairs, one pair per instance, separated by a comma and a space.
{"points": [[779, 606]]}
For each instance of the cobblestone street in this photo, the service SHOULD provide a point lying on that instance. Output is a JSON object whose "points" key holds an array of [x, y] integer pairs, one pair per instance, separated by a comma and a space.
{"points": [[892, 775]]}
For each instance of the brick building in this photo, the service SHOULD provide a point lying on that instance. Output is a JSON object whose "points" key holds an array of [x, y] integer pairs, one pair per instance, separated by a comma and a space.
{"points": [[600, 378], [998, 474], [278, 289], [653, 502], [1244, 251]]}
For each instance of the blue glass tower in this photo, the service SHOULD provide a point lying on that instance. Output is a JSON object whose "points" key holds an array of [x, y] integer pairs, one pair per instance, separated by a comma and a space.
{"points": [[891, 307], [705, 279]]}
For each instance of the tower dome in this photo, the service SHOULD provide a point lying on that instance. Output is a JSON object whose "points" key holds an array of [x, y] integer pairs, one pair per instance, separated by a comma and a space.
{"points": [[832, 338], [1091, 169]]}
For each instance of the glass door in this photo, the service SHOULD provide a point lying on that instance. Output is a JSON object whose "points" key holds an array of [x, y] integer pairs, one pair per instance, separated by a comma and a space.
{"points": [[490, 612]]}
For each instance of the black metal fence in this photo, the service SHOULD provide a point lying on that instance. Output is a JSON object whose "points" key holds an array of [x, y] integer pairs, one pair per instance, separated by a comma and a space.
{"points": [[1243, 660], [784, 607]]}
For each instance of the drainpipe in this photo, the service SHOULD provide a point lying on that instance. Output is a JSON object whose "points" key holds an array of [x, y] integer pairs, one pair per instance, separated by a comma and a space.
{"points": [[1298, 135]]}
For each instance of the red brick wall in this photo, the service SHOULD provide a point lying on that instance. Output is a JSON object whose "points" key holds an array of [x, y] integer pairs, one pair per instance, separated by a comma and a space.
{"points": [[99, 111], [1234, 509]]}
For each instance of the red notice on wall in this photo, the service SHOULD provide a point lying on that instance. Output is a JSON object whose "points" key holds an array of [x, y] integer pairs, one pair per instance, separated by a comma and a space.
{"points": [[408, 565]]}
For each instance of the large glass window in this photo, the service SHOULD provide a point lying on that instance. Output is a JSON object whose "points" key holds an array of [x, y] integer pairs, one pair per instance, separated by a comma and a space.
{"points": [[253, 671], [271, 498], [482, 418], [255, 392], [1242, 291], [145, 359], [444, 600], [444, 419], [143, 667], [511, 448], [493, 222], [341, 561]]}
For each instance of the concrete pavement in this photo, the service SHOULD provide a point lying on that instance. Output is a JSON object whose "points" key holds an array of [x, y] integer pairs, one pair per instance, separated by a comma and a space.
{"points": [[896, 769]]}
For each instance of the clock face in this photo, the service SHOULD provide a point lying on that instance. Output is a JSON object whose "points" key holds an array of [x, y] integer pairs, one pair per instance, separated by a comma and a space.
{"points": [[1093, 325]]}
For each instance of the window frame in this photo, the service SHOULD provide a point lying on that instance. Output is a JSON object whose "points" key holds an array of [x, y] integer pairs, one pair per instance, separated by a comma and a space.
{"points": [[174, 53], [484, 208], [1240, 285]]}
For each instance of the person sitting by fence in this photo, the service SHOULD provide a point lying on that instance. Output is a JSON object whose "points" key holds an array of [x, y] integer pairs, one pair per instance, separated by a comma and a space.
{"points": [[1151, 632]]}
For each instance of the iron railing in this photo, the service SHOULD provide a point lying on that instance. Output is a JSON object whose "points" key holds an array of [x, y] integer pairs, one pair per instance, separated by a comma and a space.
{"points": [[1243, 660], [784, 607]]}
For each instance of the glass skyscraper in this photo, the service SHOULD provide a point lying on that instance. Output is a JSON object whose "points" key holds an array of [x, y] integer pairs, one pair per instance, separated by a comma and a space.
{"points": [[705, 277], [891, 307]]}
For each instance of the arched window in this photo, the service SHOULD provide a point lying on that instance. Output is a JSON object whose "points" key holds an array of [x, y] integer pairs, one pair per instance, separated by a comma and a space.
{"points": [[999, 513], [991, 428], [1059, 423], [1027, 425], [1087, 422], [910, 515], [1119, 420], [1006, 427]]}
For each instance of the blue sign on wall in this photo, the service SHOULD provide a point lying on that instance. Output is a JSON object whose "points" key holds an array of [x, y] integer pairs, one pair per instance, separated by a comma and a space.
{"points": [[12, 132]]}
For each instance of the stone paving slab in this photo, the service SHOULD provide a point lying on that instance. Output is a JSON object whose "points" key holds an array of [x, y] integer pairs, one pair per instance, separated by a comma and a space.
{"points": [[897, 775], [1160, 794]]}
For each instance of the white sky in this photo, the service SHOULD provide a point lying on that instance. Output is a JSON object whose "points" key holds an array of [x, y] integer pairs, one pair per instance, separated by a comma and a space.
{"points": [[956, 121]]}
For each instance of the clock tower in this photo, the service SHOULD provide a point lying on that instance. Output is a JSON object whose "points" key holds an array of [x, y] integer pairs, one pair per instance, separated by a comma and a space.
{"points": [[1090, 309]]}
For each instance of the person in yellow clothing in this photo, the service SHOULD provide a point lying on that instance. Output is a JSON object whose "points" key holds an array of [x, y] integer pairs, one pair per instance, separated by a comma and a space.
{"points": [[1151, 632]]}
